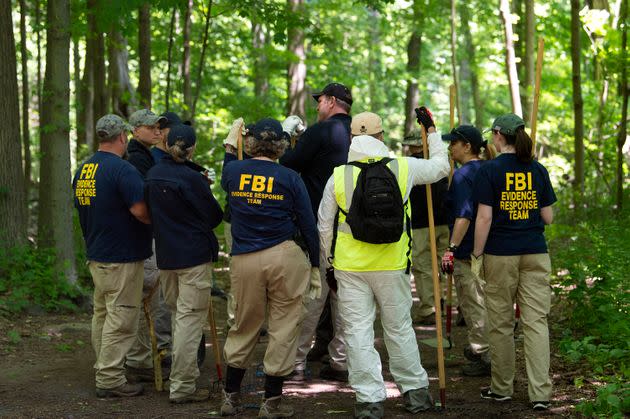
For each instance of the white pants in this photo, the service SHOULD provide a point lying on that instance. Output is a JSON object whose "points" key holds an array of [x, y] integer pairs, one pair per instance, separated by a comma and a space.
{"points": [[337, 346], [358, 294]]}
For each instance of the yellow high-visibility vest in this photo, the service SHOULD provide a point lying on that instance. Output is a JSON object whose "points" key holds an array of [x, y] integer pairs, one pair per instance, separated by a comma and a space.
{"points": [[357, 256]]}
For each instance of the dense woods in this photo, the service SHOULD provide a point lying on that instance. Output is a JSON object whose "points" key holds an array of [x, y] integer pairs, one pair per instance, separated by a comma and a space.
{"points": [[65, 63]]}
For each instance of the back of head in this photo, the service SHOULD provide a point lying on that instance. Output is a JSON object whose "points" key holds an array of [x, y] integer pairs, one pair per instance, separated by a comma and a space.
{"points": [[512, 127], [366, 123], [181, 141], [266, 138], [109, 127]]}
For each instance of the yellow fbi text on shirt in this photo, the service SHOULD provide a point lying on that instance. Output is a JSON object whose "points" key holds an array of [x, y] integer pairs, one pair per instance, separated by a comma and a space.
{"points": [[256, 189], [518, 197], [86, 184]]}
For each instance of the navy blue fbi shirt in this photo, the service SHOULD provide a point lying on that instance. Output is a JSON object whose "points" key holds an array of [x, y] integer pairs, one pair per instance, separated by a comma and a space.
{"points": [[269, 203], [184, 212], [516, 192], [105, 187], [460, 204]]}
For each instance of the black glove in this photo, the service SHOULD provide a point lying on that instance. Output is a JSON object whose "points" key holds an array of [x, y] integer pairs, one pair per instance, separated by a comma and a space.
{"points": [[424, 117]]}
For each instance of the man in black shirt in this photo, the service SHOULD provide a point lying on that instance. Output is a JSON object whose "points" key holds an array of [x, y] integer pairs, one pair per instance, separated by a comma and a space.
{"points": [[146, 133]]}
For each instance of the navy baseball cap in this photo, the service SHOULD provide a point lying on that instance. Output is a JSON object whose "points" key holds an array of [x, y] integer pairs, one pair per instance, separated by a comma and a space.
{"points": [[337, 90], [267, 129], [466, 133], [171, 119], [182, 132]]}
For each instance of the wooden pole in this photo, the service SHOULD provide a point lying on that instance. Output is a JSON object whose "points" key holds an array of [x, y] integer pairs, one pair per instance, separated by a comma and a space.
{"points": [[215, 342], [452, 95], [437, 292], [239, 144], [532, 123]]}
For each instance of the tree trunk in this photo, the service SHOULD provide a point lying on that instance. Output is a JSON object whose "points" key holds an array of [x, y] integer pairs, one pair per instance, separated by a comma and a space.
{"points": [[120, 90], [578, 104], [623, 126], [100, 91], [26, 97], [510, 58], [413, 68], [296, 72], [78, 105], [202, 59], [469, 49], [55, 193], [186, 61], [260, 65], [38, 29], [13, 213], [167, 95], [458, 104], [529, 61], [144, 55], [374, 61]]}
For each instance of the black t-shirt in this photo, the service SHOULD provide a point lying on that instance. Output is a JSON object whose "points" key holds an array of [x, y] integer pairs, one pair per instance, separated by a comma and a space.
{"points": [[516, 192], [105, 187], [184, 212], [140, 157], [419, 208], [320, 149]]}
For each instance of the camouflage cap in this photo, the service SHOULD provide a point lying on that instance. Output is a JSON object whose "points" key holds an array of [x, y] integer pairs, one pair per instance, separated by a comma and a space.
{"points": [[111, 125], [413, 138], [508, 123], [145, 117]]}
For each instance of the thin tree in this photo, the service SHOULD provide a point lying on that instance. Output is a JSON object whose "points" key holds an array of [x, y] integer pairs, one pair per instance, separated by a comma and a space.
{"points": [[78, 106], [296, 73], [454, 61], [260, 40], [121, 93], [529, 62], [13, 215], [55, 193], [413, 66], [374, 60], [578, 104], [623, 126], [169, 64], [510, 57], [186, 60], [469, 50], [26, 98], [144, 55], [202, 59]]}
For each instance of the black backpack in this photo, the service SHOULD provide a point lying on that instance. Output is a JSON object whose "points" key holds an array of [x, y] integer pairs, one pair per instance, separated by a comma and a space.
{"points": [[377, 213]]}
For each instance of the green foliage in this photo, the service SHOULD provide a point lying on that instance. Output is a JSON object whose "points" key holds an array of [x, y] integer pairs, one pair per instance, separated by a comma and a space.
{"points": [[612, 401], [14, 337], [30, 277]]}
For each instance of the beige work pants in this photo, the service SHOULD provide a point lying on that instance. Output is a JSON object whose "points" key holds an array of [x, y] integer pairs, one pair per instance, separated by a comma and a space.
{"points": [[187, 294], [272, 280], [117, 294], [421, 266], [524, 279], [470, 295]]}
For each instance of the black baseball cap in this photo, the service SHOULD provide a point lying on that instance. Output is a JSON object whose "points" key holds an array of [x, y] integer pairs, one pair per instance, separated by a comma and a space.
{"points": [[267, 129], [171, 119], [182, 132], [466, 133], [337, 90]]}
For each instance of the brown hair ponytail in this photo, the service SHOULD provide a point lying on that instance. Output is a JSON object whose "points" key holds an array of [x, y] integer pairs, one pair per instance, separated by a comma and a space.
{"points": [[522, 144]]}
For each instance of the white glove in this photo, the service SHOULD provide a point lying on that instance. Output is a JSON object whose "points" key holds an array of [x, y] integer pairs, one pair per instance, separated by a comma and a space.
{"points": [[293, 125], [211, 175], [315, 284], [476, 266], [232, 137]]}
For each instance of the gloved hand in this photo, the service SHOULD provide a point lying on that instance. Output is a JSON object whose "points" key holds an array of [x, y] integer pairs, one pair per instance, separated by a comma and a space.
{"points": [[232, 137], [293, 125], [315, 284], [425, 117], [447, 262], [211, 175], [476, 266]]}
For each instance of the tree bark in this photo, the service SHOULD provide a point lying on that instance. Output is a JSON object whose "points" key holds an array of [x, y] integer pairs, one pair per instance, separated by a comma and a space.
{"points": [[120, 90], [26, 97], [454, 62], [13, 213], [374, 61], [202, 59], [78, 105], [469, 49], [413, 68], [38, 29], [144, 55], [260, 64], [167, 95], [578, 104], [296, 72], [510, 58], [186, 61], [100, 105], [623, 126], [529, 61], [55, 193]]}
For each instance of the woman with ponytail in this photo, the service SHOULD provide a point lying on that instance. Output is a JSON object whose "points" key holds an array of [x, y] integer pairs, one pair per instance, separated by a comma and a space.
{"points": [[467, 148], [514, 198]]}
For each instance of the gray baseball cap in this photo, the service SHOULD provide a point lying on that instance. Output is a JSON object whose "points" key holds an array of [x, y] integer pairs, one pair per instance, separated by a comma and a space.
{"points": [[111, 125], [144, 117]]}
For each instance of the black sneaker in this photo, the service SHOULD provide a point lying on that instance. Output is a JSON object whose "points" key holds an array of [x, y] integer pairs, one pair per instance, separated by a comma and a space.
{"points": [[329, 373], [541, 405], [476, 369], [470, 355], [486, 393], [317, 352]]}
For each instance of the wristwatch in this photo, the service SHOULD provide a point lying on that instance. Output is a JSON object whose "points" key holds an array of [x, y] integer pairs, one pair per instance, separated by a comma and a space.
{"points": [[452, 247]]}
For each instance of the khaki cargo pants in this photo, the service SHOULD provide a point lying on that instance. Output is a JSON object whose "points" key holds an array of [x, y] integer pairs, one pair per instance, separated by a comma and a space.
{"points": [[523, 279], [421, 266], [117, 294], [470, 295], [271, 281]]}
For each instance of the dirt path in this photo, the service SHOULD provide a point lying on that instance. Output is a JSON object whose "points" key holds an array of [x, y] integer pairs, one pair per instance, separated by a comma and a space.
{"points": [[46, 371]]}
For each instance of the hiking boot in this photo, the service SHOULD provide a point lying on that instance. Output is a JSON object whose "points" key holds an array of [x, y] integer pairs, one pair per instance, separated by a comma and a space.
{"points": [[317, 352], [486, 393], [470, 355], [139, 375], [476, 369], [272, 408], [231, 403], [541, 405], [199, 395], [369, 410], [124, 390], [329, 373], [424, 320], [418, 400]]}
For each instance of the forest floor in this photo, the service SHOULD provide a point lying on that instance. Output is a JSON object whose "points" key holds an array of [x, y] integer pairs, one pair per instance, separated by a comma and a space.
{"points": [[46, 371]]}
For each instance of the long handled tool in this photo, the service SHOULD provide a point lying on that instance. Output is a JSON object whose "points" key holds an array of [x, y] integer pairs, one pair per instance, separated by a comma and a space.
{"points": [[215, 347], [239, 144], [449, 309], [437, 291]]}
